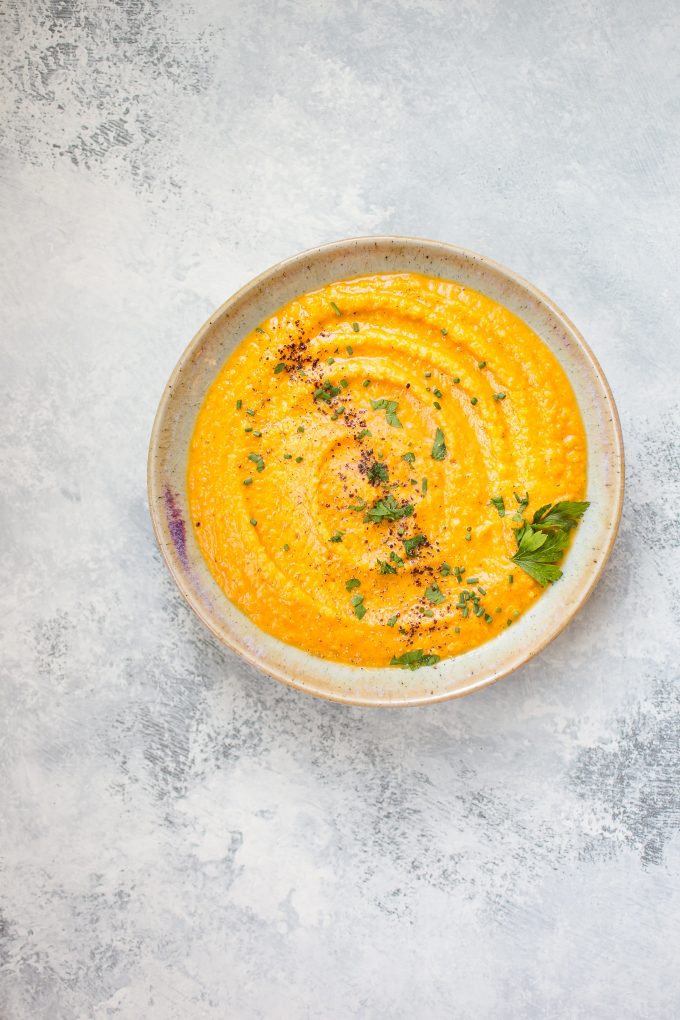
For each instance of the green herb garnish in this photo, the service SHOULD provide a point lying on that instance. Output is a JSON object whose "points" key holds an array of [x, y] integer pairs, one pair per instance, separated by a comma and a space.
{"points": [[387, 509], [361, 505], [359, 607], [434, 594], [439, 446], [281, 367], [378, 473], [499, 396], [335, 308], [353, 583], [391, 622], [396, 559], [445, 570], [247, 481], [408, 457], [336, 536], [390, 407], [257, 460], [411, 545], [364, 433], [239, 404], [355, 327], [414, 659], [385, 567], [497, 501]]}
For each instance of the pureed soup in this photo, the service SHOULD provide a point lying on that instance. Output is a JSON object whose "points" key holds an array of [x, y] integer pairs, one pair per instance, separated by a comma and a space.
{"points": [[387, 471]]}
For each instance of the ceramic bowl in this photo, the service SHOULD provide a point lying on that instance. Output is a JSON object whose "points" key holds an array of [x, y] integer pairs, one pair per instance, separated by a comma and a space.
{"points": [[202, 360]]}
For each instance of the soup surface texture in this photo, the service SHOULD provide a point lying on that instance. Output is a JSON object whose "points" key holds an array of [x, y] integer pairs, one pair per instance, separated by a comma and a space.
{"points": [[364, 458]]}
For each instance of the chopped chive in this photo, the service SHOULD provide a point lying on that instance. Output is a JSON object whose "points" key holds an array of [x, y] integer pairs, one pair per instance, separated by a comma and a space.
{"points": [[366, 382], [253, 521], [330, 361], [482, 591], [456, 630], [248, 428], [510, 578], [499, 609], [444, 332], [473, 580], [499, 396], [392, 620], [424, 485], [438, 393], [437, 405], [288, 456], [428, 612], [481, 364], [350, 350], [428, 374], [250, 411], [298, 460], [239, 404], [468, 538], [335, 308], [355, 327], [301, 428], [257, 460], [258, 330], [344, 383], [247, 481], [286, 547], [473, 401], [258, 434]]}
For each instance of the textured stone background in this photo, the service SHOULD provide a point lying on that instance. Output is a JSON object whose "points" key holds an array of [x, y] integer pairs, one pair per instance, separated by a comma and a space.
{"points": [[182, 837]]}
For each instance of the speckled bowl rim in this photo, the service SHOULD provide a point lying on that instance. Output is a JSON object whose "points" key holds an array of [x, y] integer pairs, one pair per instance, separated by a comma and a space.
{"points": [[491, 676]]}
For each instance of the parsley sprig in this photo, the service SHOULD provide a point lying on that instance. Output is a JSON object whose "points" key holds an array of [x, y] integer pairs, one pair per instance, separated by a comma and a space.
{"points": [[414, 659], [541, 543], [387, 509]]}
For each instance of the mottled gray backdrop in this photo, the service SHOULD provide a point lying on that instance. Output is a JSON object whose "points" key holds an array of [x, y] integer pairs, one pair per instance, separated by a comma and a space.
{"points": [[182, 837]]}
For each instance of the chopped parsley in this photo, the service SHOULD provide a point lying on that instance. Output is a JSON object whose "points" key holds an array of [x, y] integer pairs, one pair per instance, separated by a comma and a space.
{"points": [[387, 509], [336, 536], [434, 594], [390, 407], [353, 583], [408, 457], [385, 567], [497, 501], [411, 545], [361, 505], [364, 433], [391, 622], [414, 659], [378, 473], [439, 446], [259, 330], [281, 367], [396, 559], [359, 607]]}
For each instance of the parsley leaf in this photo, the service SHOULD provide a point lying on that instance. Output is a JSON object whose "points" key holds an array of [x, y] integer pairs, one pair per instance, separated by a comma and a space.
{"points": [[408, 457], [522, 502], [539, 551], [353, 583], [363, 433], [434, 594], [414, 659], [390, 407], [391, 622], [439, 446], [497, 501], [396, 559], [378, 473], [280, 368], [336, 536], [411, 545], [565, 515], [361, 505], [385, 567], [388, 509]]}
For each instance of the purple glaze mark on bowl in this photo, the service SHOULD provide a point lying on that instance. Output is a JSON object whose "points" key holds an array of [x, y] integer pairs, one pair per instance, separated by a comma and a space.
{"points": [[176, 527]]}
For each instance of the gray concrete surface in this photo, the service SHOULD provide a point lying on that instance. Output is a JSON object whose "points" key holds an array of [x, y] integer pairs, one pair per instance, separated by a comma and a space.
{"points": [[181, 837]]}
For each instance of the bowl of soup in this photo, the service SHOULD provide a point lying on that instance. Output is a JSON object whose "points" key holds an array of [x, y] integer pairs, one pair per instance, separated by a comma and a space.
{"points": [[386, 472]]}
